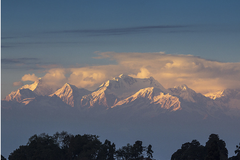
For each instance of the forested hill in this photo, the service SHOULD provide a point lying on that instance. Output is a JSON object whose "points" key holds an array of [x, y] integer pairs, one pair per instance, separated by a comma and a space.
{"points": [[215, 149], [65, 146]]}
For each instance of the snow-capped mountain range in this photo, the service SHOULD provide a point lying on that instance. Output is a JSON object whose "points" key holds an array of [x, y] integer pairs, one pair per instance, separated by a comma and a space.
{"points": [[147, 97]]}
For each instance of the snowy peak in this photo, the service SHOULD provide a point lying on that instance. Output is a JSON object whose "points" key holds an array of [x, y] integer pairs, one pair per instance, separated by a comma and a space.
{"points": [[32, 87], [122, 81], [126, 79], [153, 98], [233, 93], [118, 88], [101, 99], [224, 94], [181, 88], [186, 93], [214, 95], [20, 95], [67, 89], [30, 91], [40, 87], [44, 88], [124, 85], [145, 93], [155, 83], [148, 93], [66, 94], [70, 94]]}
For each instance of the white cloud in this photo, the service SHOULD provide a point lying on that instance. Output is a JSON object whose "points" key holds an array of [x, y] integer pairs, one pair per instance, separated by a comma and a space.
{"points": [[19, 83], [170, 70], [92, 77], [29, 77], [55, 77], [144, 73], [86, 77]]}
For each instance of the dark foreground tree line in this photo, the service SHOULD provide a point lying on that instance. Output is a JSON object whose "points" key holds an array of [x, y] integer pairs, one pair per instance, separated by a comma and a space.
{"points": [[64, 146], [215, 149]]}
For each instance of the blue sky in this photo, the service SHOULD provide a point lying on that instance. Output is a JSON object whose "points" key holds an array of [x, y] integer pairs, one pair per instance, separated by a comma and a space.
{"points": [[39, 36]]}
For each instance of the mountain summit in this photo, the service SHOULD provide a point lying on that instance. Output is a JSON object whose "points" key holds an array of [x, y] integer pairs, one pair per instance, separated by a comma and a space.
{"points": [[118, 88], [135, 95], [28, 92], [40, 87], [124, 85], [70, 94], [186, 93], [151, 101]]}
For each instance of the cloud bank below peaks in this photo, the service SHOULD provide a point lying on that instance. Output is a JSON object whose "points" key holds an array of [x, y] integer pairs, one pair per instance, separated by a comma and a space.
{"points": [[170, 70]]}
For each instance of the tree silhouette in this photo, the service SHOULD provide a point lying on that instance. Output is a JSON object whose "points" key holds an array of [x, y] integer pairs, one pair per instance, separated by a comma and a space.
{"points": [[134, 152], [84, 147], [20, 153], [64, 146], [149, 151], [213, 152], [137, 150], [237, 152], [216, 148], [38, 148], [107, 151], [3, 158], [189, 151], [124, 152]]}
